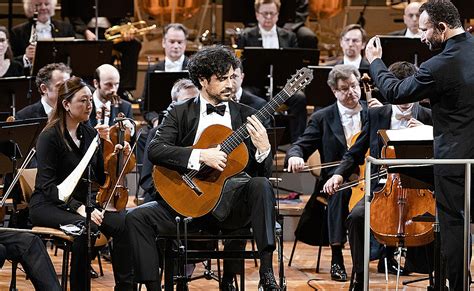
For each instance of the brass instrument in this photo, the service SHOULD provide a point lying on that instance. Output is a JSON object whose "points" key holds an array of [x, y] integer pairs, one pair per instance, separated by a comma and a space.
{"points": [[117, 33]]}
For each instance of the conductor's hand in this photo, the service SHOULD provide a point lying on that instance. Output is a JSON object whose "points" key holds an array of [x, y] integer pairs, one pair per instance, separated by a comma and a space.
{"points": [[295, 164], [258, 134], [30, 52], [414, 122], [214, 158], [333, 184], [373, 49], [103, 130]]}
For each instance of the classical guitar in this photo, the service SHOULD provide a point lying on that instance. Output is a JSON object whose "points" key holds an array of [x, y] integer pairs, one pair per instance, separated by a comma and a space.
{"points": [[196, 193]]}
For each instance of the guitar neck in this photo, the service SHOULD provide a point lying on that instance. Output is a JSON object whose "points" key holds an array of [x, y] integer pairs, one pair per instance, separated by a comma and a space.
{"points": [[238, 136]]}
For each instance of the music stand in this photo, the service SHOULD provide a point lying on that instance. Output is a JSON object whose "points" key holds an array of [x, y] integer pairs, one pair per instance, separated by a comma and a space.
{"points": [[15, 94], [16, 139], [158, 96], [400, 48], [412, 177], [82, 56], [285, 61]]}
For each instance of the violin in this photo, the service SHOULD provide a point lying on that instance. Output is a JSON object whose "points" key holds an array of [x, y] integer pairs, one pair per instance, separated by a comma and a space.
{"points": [[393, 209], [113, 194]]}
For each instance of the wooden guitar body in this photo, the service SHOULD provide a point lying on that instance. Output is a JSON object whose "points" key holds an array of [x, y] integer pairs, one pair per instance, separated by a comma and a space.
{"points": [[182, 198]]}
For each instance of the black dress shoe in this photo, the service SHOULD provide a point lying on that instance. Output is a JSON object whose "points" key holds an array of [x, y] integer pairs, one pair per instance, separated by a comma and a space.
{"points": [[227, 286], [267, 282], [94, 274], [338, 273], [392, 267]]}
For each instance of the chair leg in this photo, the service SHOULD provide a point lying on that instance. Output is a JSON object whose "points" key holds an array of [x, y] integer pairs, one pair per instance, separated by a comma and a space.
{"points": [[101, 271], [253, 250], [13, 279], [292, 252], [65, 268], [319, 258]]}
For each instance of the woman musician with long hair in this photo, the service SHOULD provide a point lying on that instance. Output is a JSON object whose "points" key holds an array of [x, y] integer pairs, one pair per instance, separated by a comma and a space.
{"points": [[61, 147]]}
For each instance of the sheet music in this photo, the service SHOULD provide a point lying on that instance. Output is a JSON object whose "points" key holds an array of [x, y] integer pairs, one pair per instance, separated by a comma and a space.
{"points": [[418, 133]]}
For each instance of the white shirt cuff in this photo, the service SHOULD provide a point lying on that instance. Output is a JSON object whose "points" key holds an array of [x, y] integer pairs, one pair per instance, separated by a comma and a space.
{"points": [[260, 157], [26, 62], [193, 162]]}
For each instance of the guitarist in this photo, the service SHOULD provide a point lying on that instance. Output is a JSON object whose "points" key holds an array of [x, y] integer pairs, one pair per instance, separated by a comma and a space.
{"points": [[247, 198], [384, 117]]}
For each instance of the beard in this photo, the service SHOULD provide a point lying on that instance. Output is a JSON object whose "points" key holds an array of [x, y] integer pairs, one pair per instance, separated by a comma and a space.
{"points": [[222, 96], [435, 42]]}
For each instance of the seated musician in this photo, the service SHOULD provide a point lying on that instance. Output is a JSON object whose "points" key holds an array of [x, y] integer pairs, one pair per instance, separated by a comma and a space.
{"points": [[401, 116], [25, 35], [352, 40], [247, 198], [267, 35], [60, 148], [9, 67], [330, 130], [30, 252], [47, 81], [242, 95]]}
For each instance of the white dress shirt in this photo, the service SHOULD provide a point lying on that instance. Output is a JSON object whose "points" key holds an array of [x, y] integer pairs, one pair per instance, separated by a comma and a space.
{"points": [[399, 119], [355, 63], [48, 109], [174, 66], [350, 119], [99, 104], [269, 38], [410, 34], [206, 120]]}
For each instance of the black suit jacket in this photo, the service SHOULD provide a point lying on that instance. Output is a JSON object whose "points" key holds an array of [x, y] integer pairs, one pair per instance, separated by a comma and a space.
{"points": [[34, 110], [324, 133], [251, 37], [171, 145], [447, 80], [378, 118], [160, 66], [20, 36], [252, 100], [125, 107]]}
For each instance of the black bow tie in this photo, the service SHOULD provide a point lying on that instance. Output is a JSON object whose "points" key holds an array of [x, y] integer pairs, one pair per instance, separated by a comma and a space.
{"points": [[219, 109]]}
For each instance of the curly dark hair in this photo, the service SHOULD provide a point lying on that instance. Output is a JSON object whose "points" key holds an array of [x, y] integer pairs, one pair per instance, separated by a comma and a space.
{"points": [[402, 69], [442, 11], [45, 74], [212, 60]]}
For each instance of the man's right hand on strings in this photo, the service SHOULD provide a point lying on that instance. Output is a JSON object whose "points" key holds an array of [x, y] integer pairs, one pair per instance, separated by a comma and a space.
{"points": [[214, 158], [295, 164]]}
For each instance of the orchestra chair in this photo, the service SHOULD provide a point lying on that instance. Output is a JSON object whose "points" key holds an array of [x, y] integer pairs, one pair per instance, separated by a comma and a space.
{"points": [[315, 207], [56, 236], [168, 249]]}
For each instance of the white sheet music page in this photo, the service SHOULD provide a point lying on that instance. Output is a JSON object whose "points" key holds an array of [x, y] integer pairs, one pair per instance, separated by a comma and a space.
{"points": [[422, 132]]}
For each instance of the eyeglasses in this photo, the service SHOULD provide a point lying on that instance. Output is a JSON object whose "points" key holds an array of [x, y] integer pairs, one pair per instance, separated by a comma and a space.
{"points": [[346, 91], [349, 40], [269, 14]]}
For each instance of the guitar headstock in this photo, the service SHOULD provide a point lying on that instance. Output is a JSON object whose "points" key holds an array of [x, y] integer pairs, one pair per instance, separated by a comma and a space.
{"points": [[298, 81]]}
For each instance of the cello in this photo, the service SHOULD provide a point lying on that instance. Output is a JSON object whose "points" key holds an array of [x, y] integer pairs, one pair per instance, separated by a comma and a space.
{"points": [[394, 207]]}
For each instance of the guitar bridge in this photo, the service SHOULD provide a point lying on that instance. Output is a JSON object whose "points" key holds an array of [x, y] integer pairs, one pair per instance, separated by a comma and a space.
{"points": [[191, 184]]}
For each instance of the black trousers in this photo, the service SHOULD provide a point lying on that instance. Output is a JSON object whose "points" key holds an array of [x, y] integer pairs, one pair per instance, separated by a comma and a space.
{"points": [[113, 225], [338, 210], [254, 206], [449, 193], [29, 250]]}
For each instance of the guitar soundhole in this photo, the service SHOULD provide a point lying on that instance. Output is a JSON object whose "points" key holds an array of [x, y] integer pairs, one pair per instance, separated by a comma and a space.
{"points": [[208, 174]]}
